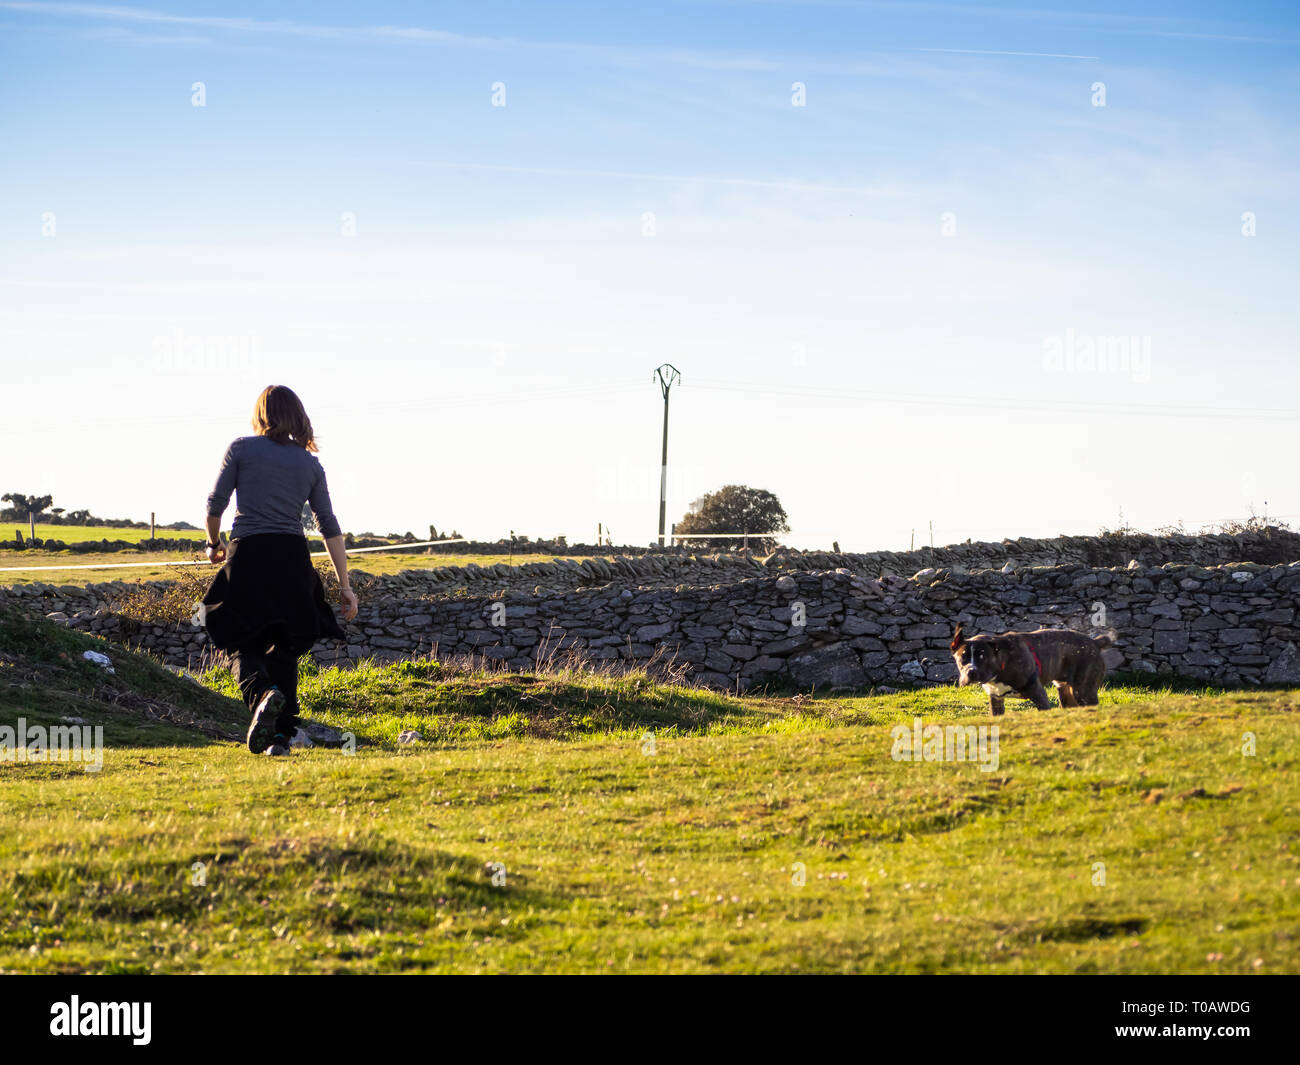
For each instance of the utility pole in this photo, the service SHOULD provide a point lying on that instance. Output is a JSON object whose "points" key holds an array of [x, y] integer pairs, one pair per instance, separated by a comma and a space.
{"points": [[666, 381]]}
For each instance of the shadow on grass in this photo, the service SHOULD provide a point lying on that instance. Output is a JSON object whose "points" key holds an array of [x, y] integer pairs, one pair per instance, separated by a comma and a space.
{"points": [[368, 880], [366, 890], [1082, 929]]}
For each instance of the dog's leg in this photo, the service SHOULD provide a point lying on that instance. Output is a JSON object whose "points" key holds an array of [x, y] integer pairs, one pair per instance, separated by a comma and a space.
{"points": [[1066, 694], [997, 705], [1037, 695]]}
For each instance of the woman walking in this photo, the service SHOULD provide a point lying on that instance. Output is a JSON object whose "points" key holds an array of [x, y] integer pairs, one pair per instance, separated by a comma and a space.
{"points": [[266, 608]]}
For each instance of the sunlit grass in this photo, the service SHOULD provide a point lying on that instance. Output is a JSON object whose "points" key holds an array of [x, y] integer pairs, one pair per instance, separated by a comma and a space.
{"points": [[580, 822]]}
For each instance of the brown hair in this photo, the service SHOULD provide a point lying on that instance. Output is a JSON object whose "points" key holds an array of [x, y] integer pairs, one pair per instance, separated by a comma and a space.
{"points": [[279, 414]]}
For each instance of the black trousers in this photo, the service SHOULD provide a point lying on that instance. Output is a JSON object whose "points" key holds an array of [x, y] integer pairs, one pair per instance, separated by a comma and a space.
{"points": [[258, 670]]}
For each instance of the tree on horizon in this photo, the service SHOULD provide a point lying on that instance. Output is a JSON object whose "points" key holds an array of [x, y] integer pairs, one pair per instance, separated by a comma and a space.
{"points": [[734, 508]]}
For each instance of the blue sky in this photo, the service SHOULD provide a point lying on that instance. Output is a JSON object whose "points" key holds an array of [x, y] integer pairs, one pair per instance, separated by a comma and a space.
{"points": [[882, 302]]}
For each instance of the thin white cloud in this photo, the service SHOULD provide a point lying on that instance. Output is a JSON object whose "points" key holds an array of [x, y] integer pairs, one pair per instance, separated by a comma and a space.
{"points": [[419, 35], [1098, 21], [1188, 35], [127, 35], [985, 51], [380, 33], [693, 179], [247, 25]]}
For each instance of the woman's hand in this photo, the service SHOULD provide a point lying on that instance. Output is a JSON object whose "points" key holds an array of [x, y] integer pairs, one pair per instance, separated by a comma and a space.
{"points": [[216, 547], [339, 556], [349, 600]]}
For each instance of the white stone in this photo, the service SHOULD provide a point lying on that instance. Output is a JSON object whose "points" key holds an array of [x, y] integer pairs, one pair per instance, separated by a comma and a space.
{"points": [[103, 661]]}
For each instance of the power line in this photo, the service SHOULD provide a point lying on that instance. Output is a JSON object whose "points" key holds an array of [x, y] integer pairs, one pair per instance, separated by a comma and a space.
{"points": [[473, 399], [1006, 403]]}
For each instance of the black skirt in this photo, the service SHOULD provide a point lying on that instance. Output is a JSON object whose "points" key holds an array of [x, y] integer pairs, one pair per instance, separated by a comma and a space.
{"points": [[268, 593]]}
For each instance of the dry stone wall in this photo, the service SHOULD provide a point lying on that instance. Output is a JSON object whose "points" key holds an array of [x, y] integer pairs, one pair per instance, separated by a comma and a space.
{"points": [[1231, 624]]}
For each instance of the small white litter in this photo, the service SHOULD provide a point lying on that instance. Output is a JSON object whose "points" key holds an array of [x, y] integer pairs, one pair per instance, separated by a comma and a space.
{"points": [[409, 736], [103, 661]]}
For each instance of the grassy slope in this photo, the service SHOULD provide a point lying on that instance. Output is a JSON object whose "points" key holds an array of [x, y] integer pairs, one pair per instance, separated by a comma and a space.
{"points": [[44, 678], [680, 860]]}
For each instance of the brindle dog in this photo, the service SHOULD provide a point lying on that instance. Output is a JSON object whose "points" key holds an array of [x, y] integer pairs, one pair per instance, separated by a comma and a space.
{"points": [[1019, 662]]}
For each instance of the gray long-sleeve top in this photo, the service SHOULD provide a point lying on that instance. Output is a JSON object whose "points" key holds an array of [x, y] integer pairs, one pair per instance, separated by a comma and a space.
{"points": [[272, 482]]}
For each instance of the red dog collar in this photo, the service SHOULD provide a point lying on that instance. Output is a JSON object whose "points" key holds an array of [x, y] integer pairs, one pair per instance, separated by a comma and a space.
{"points": [[1037, 664]]}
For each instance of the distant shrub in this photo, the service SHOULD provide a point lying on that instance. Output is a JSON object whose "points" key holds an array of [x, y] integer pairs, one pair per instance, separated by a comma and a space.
{"points": [[1252, 524]]}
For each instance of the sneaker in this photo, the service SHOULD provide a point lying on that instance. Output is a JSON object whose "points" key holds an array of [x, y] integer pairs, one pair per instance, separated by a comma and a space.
{"points": [[261, 733]]}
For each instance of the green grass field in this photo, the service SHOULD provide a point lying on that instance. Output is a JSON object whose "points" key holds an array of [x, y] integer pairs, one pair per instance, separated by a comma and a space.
{"points": [[76, 534], [64, 567], [26, 567], [579, 823]]}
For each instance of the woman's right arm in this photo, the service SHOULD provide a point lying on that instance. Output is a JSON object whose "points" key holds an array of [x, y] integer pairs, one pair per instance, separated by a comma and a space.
{"points": [[218, 500]]}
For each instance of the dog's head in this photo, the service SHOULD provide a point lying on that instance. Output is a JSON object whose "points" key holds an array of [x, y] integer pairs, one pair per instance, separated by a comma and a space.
{"points": [[979, 660]]}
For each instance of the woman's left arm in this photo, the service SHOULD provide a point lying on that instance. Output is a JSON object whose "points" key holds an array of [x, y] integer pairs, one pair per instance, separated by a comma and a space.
{"points": [[328, 524], [339, 556]]}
